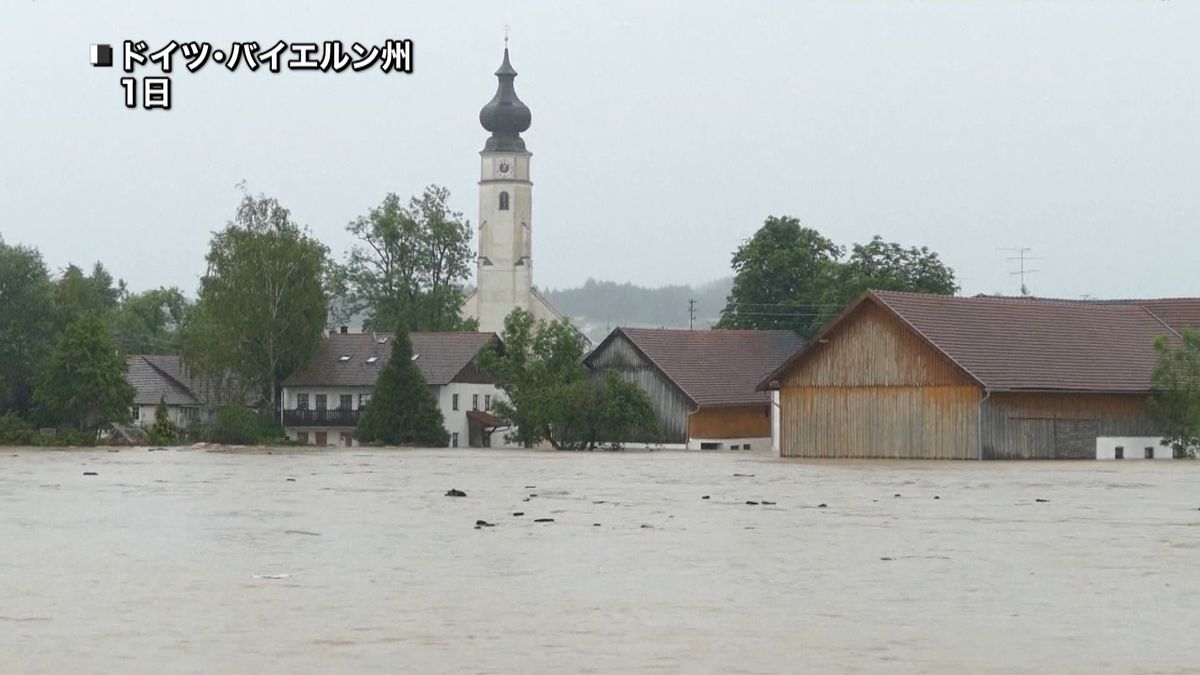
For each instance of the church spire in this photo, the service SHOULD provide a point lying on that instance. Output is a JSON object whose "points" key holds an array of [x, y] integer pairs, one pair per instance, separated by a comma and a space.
{"points": [[505, 115]]}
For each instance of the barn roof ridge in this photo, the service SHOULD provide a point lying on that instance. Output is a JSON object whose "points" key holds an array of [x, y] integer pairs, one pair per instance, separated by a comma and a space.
{"points": [[1023, 344]]}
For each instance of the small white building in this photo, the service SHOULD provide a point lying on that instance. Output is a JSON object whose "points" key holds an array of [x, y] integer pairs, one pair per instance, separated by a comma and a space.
{"points": [[163, 378], [1133, 447], [322, 401]]}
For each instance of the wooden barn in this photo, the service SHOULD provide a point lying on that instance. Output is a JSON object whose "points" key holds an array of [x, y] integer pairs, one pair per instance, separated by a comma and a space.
{"points": [[905, 375], [702, 383]]}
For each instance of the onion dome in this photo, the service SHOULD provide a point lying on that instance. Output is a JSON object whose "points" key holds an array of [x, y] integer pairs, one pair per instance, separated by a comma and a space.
{"points": [[505, 115]]}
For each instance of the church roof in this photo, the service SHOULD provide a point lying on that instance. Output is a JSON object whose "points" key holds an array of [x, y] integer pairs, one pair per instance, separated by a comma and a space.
{"points": [[505, 115]]}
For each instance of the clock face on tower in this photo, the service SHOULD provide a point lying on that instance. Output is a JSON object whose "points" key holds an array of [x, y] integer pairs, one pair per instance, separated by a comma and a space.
{"points": [[504, 168]]}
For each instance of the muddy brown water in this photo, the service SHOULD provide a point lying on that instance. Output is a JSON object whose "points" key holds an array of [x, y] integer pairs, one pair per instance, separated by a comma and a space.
{"points": [[202, 562]]}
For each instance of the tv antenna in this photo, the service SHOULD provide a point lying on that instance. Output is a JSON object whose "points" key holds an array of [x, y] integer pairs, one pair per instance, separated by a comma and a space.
{"points": [[1021, 257]]}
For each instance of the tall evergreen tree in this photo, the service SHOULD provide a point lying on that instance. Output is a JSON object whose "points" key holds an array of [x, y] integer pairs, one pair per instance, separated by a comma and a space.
{"points": [[26, 323], [83, 380], [402, 409]]}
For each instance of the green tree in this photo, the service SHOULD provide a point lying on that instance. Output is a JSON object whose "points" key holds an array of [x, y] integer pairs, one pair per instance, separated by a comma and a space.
{"points": [[782, 275], [262, 303], [789, 276], [1175, 402], [402, 409], [618, 411], [150, 322], [886, 266], [548, 395], [163, 431], [78, 294], [82, 382], [26, 323], [410, 264]]}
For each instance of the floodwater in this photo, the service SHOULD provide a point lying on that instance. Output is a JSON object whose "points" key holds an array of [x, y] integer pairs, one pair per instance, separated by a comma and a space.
{"points": [[204, 562]]}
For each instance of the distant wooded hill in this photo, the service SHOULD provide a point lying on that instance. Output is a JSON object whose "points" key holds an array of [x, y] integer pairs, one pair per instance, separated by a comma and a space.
{"points": [[599, 306]]}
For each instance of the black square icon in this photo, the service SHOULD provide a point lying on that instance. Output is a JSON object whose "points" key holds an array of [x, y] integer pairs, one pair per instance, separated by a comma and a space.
{"points": [[102, 56]]}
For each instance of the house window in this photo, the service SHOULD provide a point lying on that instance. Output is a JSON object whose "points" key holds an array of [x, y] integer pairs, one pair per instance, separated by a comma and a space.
{"points": [[191, 413], [322, 402], [346, 440], [137, 412], [454, 402], [1149, 453], [363, 400], [345, 401], [710, 446], [474, 401], [302, 402], [454, 440], [322, 438], [487, 401], [1120, 452], [503, 201], [302, 437]]}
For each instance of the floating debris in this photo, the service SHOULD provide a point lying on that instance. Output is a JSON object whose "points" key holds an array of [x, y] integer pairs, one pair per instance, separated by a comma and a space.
{"points": [[271, 576], [291, 480], [647, 526], [90, 473], [743, 475], [767, 503], [886, 558], [455, 493], [543, 520], [483, 523], [305, 532], [530, 487], [896, 495], [936, 497], [752, 503], [822, 506], [595, 524], [1041, 501], [518, 513], [705, 497]]}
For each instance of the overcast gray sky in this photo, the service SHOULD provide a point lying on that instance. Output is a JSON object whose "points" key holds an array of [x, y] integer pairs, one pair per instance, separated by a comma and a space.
{"points": [[663, 132]]}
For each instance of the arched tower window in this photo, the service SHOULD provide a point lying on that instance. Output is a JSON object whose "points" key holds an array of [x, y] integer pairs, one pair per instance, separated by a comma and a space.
{"points": [[503, 201]]}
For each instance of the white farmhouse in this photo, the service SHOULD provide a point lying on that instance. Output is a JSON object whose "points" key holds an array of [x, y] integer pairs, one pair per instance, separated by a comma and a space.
{"points": [[323, 400], [163, 378]]}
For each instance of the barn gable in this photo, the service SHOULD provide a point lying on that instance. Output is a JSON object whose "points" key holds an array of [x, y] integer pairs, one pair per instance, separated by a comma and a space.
{"points": [[869, 346]]}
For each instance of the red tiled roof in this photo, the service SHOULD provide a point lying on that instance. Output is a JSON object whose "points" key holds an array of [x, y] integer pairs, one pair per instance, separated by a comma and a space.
{"points": [[713, 367], [440, 356], [1038, 344]]}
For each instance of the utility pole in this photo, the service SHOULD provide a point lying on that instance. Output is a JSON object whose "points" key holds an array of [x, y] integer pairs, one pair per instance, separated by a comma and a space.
{"points": [[691, 315], [1021, 258]]}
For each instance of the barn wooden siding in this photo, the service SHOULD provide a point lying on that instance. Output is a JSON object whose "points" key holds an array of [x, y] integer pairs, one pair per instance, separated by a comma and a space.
{"points": [[877, 389], [1059, 426], [671, 407], [732, 422]]}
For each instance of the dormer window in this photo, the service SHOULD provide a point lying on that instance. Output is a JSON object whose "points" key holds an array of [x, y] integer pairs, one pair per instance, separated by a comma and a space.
{"points": [[503, 201], [372, 359], [344, 358], [381, 340]]}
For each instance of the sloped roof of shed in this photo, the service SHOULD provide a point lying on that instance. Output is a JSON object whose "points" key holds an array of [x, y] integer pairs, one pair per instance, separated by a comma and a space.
{"points": [[713, 367]]}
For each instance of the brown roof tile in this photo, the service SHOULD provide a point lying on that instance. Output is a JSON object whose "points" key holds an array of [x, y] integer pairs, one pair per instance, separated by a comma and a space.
{"points": [[440, 356], [714, 367], [1040, 344]]}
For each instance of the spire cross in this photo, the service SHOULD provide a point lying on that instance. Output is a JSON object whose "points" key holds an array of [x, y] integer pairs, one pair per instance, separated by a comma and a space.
{"points": [[506, 36]]}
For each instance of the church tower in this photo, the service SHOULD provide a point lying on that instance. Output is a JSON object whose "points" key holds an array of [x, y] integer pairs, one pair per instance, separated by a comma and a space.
{"points": [[504, 268]]}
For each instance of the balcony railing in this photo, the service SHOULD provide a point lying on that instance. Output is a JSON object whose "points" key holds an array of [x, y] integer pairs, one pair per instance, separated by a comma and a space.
{"points": [[320, 418]]}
